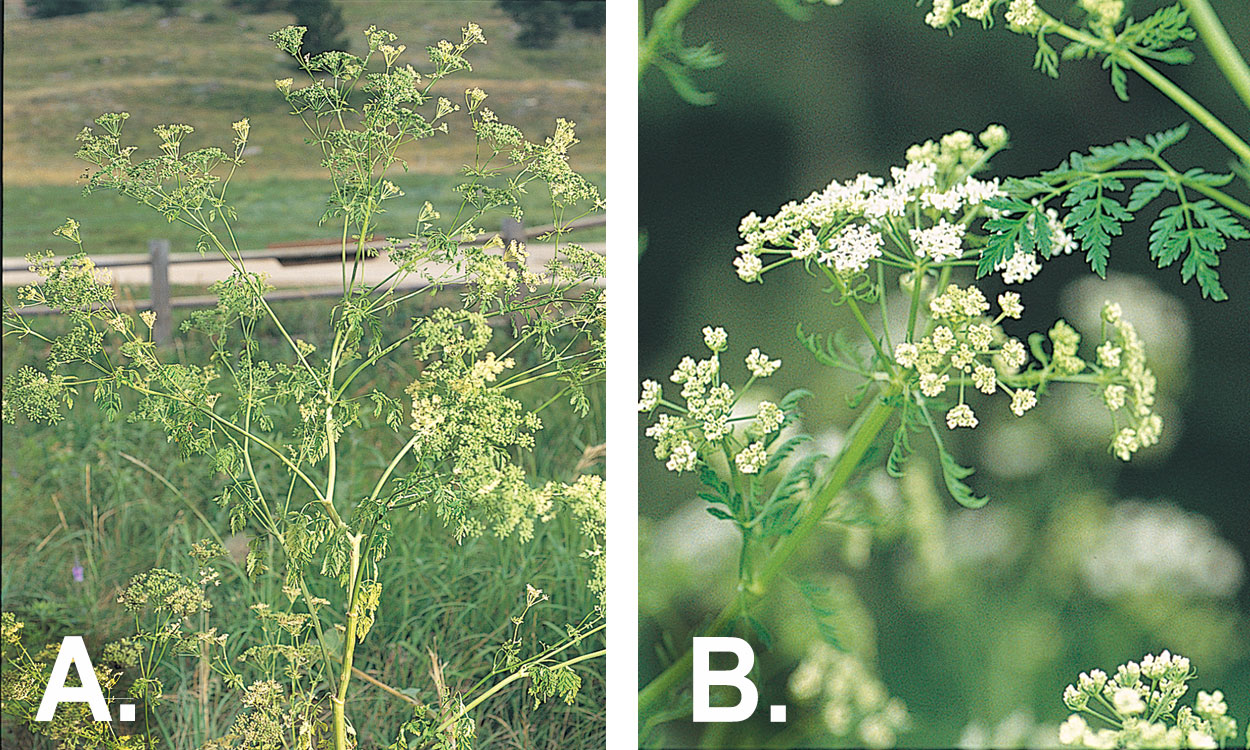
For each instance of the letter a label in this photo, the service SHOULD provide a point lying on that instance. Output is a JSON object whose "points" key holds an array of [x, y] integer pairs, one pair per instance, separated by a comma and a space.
{"points": [[73, 651]]}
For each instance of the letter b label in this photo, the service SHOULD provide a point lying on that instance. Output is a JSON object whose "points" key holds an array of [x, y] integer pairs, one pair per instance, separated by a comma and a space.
{"points": [[705, 678]]}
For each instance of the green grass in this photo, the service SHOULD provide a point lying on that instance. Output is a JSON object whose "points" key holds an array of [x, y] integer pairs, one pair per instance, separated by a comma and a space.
{"points": [[208, 66], [69, 497], [270, 211]]}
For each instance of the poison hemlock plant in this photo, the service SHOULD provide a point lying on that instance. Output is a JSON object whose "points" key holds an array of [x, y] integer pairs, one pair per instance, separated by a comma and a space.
{"points": [[275, 423], [1111, 185], [933, 221], [918, 229]]}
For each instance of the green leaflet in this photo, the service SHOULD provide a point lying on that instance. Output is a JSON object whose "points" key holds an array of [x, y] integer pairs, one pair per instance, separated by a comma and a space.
{"points": [[825, 609], [835, 350], [952, 471], [1152, 38], [1154, 35], [1093, 187], [1095, 218], [777, 455], [910, 420], [677, 61], [1198, 231], [773, 517]]}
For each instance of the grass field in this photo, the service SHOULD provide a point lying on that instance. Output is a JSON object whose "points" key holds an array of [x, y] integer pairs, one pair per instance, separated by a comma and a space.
{"points": [[71, 497], [270, 211], [209, 66]]}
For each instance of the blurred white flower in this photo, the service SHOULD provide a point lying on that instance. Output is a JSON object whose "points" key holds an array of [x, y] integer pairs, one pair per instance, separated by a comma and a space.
{"points": [[1151, 547]]}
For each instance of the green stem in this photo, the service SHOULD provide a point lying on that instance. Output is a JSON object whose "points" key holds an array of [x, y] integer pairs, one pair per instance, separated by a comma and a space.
{"points": [[665, 19], [339, 700], [860, 438], [1164, 84], [1221, 47], [508, 681]]}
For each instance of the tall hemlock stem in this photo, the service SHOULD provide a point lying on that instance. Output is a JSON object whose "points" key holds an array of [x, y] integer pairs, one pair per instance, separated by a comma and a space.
{"points": [[860, 438]]}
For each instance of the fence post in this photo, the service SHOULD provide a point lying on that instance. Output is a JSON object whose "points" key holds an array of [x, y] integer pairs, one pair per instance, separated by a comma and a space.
{"points": [[159, 251]]}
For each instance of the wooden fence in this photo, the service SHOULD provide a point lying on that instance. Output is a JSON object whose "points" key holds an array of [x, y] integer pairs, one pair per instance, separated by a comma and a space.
{"points": [[159, 259]]}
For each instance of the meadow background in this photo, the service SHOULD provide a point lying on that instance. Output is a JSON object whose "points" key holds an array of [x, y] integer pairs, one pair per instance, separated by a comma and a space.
{"points": [[1079, 561], [70, 497]]}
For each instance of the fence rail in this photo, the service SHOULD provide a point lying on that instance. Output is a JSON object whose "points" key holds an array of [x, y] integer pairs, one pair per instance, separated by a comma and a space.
{"points": [[160, 260]]}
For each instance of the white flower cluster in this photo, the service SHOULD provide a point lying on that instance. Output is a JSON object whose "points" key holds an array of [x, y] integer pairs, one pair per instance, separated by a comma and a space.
{"points": [[1023, 16], [1139, 701], [962, 345], [1023, 266], [1130, 394], [845, 226], [709, 404], [1145, 548], [855, 700]]}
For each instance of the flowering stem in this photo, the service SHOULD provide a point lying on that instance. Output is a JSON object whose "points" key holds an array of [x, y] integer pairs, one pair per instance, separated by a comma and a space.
{"points": [[1220, 46], [339, 700], [860, 438], [859, 316], [507, 681]]}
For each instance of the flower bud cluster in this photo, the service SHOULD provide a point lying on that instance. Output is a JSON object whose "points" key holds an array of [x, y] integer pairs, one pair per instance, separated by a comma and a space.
{"points": [[969, 347], [1140, 700], [705, 420], [1130, 390], [855, 700]]}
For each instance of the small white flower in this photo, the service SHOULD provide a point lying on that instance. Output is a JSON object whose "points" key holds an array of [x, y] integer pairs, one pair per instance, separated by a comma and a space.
{"points": [[1013, 354], [942, 241], [715, 338], [760, 365], [1109, 355], [806, 245], [751, 459], [1211, 704], [1128, 702], [769, 417], [985, 379], [981, 336], [1023, 15], [976, 191], [1125, 443], [941, 15], [1114, 396], [932, 384], [1020, 267], [749, 223], [1023, 400], [749, 267], [683, 458], [1202, 740], [650, 395], [947, 202], [961, 416], [1009, 303], [905, 354], [1073, 730], [852, 248], [1103, 739], [943, 339]]}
